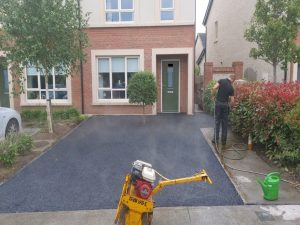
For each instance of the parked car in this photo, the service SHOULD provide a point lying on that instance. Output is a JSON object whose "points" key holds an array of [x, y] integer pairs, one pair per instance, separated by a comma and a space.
{"points": [[10, 122]]}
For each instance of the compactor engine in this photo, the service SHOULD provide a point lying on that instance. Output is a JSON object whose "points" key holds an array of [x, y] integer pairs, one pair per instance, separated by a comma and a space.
{"points": [[142, 178], [136, 202]]}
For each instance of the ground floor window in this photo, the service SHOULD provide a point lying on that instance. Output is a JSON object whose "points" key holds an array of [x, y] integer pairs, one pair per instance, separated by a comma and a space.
{"points": [[36, 84], [114, 74]]}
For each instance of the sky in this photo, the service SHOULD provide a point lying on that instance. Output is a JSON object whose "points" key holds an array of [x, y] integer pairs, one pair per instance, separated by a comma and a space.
{"points": [[201, 6]]}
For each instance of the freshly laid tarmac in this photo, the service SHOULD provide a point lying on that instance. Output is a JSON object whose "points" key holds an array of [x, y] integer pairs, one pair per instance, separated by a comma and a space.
{"points": [[87, 168], [285, 211]]}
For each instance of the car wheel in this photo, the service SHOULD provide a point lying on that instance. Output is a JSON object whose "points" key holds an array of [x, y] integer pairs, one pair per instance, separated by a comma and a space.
{"points": [[12, 127]]}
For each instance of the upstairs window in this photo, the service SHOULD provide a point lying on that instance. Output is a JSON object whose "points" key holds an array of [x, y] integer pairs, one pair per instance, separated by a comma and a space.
{"points": [[216, 31], [119, 10], [166, 10]]}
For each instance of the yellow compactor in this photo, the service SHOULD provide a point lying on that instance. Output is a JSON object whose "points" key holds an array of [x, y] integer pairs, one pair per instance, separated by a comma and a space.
{"points": [[136, 201]]}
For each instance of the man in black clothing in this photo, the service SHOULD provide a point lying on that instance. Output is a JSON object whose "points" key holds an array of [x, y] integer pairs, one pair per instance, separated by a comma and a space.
{"points": [[224, 95]]}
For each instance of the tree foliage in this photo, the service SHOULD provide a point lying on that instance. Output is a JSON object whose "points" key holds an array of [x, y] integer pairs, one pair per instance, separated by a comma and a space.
{"points": [[142, 89], [42, 33], [45, 34], [274, 28]]}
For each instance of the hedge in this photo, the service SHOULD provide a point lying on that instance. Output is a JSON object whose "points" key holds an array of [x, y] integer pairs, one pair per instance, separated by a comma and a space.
{"points": [[270, 112], [208, 100]]}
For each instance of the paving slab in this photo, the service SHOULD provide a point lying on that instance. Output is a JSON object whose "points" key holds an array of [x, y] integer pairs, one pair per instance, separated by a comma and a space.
{"points": [[246, 183], [30, 131], [225, 215]]}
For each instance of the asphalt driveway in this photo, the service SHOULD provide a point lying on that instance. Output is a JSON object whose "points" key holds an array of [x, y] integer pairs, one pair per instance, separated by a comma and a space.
{"points": [[86, 169]]}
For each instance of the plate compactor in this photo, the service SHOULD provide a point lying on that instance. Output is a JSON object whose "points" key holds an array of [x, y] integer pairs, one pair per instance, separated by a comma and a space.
{"points": [[136, 201]]}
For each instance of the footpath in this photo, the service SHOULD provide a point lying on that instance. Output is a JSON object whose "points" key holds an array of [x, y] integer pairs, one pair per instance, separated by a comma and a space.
{"points": [[284, 211]]}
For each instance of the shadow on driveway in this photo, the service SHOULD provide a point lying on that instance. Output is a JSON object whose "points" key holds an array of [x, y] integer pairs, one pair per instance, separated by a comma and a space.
{"points": [[86, 169]]}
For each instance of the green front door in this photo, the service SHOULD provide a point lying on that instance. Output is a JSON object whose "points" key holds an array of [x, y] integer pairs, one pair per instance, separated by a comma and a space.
{"points": [[4, 90], [170, 86]]}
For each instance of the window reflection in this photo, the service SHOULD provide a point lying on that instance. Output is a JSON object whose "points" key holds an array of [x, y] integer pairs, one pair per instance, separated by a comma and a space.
{"points": [[114, 73], [170, 75]]}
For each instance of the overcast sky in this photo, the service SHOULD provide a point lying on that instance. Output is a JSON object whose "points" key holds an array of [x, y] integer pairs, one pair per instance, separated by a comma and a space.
{"points": [[201, 6]]}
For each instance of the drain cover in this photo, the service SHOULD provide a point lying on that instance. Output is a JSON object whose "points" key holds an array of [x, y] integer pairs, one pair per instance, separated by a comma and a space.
{"points": [[264, 216]]}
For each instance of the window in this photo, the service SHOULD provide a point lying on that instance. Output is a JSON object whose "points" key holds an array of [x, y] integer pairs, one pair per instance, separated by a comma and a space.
{"points": [[170, 77], [166, 10], [119, 10], [216, 31], [5, 80], [298, 74], [114, 73], [36, 84]]}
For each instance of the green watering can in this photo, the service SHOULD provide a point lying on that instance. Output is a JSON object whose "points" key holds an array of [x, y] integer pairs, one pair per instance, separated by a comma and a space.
{"points": [[270, 186]]}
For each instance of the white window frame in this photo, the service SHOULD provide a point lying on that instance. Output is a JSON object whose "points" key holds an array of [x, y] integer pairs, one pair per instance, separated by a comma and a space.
{"points": [[119, 10], [111, 89], [167, 10], [104, 53], [27, 102]]}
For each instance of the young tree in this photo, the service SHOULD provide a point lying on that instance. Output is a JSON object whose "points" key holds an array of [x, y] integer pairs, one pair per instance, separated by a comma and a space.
{"points": [[142, 89], [44, 34], [274, 28]]}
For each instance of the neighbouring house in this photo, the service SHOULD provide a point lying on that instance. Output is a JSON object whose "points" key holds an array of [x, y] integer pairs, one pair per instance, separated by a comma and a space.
{"points": [[200, 51], [295, 67], [200, 45], [125, 36], [226, 22], [4, 84]]}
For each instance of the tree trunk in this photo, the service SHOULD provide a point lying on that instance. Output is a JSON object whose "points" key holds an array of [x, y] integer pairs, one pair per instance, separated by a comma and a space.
{"points": [[144, 117], [274, 72], [285, 75], [48, 107]]}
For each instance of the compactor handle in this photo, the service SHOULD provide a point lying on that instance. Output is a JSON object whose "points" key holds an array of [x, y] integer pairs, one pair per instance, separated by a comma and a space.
{"points": [[205, 177], [201, 176]]}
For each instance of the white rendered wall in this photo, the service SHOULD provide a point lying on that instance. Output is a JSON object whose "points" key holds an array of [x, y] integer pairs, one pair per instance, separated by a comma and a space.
{"points": [[146, 13], [233, 18]]}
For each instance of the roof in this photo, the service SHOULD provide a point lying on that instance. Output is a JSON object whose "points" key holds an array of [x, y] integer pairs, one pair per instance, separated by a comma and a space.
{"points": [[202, 37], [207, 12]]}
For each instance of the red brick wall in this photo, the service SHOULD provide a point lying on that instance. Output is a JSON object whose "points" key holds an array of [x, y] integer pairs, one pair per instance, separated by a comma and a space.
{"points": [[292, 65], [145, 38], [210, 70], [298, 38]]}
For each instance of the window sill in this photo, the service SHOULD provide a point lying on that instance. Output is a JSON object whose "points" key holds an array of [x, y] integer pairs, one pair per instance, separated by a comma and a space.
{"points": [[166, 21], [112, 102], [119, 22], [43, 103]]}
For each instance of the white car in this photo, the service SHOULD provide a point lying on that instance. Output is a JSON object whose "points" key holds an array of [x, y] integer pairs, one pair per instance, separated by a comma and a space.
{"points": [[10, 122]]}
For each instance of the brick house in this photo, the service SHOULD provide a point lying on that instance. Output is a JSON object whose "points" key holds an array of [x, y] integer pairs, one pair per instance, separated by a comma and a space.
{"points": [[200, 45], [295, 67], [226, 22], [125, 36]]}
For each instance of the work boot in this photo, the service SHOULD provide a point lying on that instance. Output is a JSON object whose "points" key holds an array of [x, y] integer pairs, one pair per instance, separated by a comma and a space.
{"points": [[214, 142], [223, 147]]}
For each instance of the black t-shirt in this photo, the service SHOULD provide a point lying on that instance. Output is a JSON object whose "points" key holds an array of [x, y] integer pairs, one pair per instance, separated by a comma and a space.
{"points": [[225, 90]]}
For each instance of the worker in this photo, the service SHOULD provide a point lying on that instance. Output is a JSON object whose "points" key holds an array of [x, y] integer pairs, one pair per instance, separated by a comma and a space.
{"points": [[224, 92]]}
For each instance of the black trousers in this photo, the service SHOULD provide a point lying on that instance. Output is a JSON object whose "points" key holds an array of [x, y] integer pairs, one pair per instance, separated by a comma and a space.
{"points": [[221, 119]]}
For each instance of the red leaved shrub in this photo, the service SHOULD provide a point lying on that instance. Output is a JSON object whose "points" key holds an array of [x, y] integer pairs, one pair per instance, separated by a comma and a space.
{"points": [[262, 109]]}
